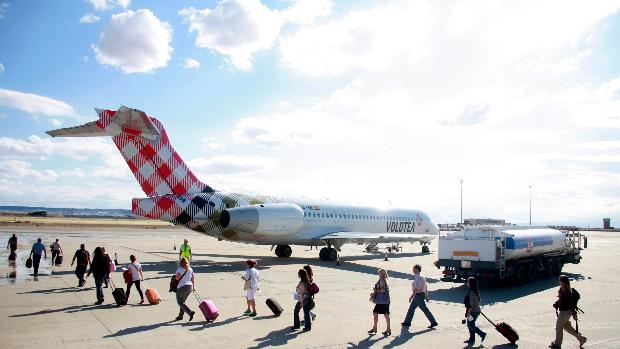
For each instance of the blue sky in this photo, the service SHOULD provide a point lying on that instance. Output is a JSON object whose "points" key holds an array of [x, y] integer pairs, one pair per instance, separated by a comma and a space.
{"points": [[359, 101]]}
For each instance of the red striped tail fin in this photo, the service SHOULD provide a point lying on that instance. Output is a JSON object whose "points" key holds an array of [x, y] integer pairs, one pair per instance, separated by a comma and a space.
{"points": [[145, 146]]}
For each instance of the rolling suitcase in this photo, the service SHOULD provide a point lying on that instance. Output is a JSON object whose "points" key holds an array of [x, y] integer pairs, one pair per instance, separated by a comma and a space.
{"points": [[58, 260], [119, 295], [208, 308], [152, 295], [275, 307], [505, 329]]}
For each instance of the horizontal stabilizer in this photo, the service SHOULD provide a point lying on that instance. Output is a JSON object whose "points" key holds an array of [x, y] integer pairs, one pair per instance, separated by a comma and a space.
{"points": [[376, 237], [89, 129]]}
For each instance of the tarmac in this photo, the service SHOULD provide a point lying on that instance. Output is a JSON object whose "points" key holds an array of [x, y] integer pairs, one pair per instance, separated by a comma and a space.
{"points": [[51, 311]]}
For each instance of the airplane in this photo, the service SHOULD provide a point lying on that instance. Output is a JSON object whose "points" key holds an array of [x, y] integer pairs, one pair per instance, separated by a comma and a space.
{"points": [[176, 195]]}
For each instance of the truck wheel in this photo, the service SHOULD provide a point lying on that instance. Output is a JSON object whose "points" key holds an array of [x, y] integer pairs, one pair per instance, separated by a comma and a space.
{"points": [[518, 274], [531, 273], [549, 266], [558, 267]]}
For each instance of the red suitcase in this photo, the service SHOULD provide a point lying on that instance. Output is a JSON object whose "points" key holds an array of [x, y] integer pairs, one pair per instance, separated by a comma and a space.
{"points": [[208, 308], [505, 329]]}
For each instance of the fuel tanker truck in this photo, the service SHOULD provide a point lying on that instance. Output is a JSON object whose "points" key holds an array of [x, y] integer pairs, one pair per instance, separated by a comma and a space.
{"points": [[508, 253]]}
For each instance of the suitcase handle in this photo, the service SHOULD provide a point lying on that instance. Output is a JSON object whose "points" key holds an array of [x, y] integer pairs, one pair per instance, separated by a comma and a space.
{"points": [[197, 296], [489, 320]]}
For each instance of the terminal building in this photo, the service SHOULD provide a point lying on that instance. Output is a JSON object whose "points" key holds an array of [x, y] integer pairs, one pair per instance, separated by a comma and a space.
{"points": [[484, 221]]}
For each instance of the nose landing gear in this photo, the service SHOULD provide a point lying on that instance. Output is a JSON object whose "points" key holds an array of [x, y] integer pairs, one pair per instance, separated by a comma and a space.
{"points": [[283, 251]]}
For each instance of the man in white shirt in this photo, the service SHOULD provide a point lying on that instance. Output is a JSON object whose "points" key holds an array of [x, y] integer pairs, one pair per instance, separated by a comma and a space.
{"points": [[418, 298]]}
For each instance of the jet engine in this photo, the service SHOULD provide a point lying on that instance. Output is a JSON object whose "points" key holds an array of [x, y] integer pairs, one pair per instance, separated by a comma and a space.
{"points": [[265, 219]]}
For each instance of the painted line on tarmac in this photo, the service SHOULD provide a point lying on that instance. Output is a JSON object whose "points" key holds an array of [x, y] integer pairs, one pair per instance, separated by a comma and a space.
{"points": [[96, 317], [603, 342]]}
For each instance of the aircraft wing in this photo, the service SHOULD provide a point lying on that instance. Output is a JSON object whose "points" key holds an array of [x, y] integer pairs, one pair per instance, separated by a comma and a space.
{"points": [[375, 237]]}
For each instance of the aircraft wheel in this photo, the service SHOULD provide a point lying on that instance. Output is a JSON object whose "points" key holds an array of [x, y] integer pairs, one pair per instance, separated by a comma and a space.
{"points": [[332, 254], [426, 249], [286, 251], [323, 254], [558, 267]]}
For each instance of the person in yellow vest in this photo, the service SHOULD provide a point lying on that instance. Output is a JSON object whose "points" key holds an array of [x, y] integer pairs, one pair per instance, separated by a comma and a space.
{"points": [[185, 250]]}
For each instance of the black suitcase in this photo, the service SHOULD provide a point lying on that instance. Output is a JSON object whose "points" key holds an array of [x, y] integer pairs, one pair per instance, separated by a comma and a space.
{"points": [[505, 329], [58, 260], [29, 263], [275, 307], [119, 295], [12, 256]]}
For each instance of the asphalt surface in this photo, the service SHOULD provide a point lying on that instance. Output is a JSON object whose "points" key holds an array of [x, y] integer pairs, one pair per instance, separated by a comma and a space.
{"points": [[51, 311]]}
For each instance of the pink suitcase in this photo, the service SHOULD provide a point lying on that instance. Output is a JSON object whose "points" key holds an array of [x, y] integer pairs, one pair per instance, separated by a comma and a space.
{"points": [[208, 308]]}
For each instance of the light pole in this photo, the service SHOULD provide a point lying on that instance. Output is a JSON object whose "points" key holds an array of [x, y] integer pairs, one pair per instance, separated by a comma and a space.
{"points": [[530, 205], [461, 201]]}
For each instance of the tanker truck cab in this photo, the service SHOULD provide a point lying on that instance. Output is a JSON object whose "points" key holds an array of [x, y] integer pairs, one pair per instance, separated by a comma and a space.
{"points": [[507, 253]]}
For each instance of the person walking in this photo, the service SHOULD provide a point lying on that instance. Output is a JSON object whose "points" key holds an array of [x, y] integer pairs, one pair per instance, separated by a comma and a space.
{"points": [[83, 261], [106, 281], [304, 301], [185, 251], [381, 297], [136, 276], [98, 268], [418, 298], [56, 251], [565, 308], [251, 285], [37, 250], [472, 310], [12, 244], [310, 273], [185, 277]]}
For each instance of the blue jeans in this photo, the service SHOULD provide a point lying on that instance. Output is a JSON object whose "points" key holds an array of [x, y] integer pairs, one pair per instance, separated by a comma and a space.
{"points": [[99, 280], [471, 325], [296, 322], [418, 301]]}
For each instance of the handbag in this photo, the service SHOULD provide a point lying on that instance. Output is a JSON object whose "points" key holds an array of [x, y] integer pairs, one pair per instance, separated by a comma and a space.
{"points": [[372, 297], [247, 284], [174, 282]]}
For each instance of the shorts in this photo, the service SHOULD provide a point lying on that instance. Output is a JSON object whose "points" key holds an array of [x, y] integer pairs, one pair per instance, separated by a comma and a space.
{"points": [[382, 309], [251, 294]]}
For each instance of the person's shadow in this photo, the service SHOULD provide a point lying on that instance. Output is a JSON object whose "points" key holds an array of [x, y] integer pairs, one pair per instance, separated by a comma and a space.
{"points": [[276, 338], [404, 336]]}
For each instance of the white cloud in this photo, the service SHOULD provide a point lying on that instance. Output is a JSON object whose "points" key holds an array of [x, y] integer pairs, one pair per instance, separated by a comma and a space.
{"points": [[307, 11], [231, 164], [34, 104], [235, 28], [74, 173], [368, 39], [1, 68], [593, 107], [11, 169], [102, 5], [3, 7], [74, 148], [135, 42], [191, 63], [89, 18]]}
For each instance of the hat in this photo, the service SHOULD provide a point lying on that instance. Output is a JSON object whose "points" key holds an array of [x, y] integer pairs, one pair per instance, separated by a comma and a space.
{"points": [[250, 263]]}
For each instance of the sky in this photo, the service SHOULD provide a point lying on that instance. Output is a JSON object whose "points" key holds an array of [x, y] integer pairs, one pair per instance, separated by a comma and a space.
{"points": [[383, 103]]}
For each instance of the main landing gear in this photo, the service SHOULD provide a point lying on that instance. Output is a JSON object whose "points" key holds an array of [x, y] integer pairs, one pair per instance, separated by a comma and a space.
{"points": [[283, 251], [426, 249], [328, 254]]}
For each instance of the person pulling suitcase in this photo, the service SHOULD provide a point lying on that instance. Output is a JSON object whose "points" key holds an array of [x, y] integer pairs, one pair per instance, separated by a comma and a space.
{"points": [[185, 286]]}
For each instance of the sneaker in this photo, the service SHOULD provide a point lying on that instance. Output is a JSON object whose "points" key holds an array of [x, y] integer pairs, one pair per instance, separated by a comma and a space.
{"points": [[313, 317], [178, 318], [141, 302], [191, 315], [252, 314], [582, 341], [247, 312], [469, 341], [482, 337], [99, 302]]}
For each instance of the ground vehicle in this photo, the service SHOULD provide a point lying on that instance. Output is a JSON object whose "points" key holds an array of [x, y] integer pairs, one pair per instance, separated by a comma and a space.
{"points": [[508, 253]]}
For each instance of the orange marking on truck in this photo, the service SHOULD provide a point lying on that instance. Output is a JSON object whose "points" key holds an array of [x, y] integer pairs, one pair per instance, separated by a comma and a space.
{"points": [[465, 254]]}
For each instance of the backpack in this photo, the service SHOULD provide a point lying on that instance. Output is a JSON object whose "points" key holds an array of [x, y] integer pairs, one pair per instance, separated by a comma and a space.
{"points": [[313, 289], [575, 296]]}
